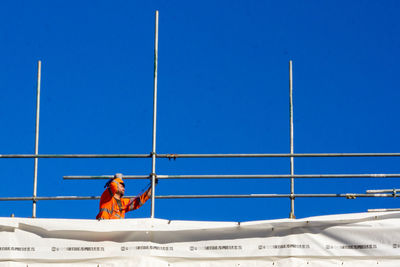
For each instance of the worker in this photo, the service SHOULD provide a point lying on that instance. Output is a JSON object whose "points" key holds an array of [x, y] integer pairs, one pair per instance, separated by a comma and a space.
{"points": [[113, 206]]}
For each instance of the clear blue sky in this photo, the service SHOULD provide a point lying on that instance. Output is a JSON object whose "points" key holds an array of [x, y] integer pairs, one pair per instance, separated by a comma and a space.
{"points": [[223, 88]]}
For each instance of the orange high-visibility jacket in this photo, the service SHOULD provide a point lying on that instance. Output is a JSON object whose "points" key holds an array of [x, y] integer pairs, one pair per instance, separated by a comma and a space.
{"points": [[111, 209]]}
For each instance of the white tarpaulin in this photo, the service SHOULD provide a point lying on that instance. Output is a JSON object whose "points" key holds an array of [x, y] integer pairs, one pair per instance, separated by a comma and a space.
{"points": [[364, 239]]}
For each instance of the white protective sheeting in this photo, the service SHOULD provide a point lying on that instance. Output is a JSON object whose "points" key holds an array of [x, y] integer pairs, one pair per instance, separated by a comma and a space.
{"points": [[364, 239]]}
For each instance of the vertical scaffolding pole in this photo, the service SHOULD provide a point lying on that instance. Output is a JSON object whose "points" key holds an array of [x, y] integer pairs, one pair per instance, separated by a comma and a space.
{"points": [[153, 153], [291, 215], [35, 170]]}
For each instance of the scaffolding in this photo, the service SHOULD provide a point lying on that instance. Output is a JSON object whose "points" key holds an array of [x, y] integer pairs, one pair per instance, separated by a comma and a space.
{"points": [[153, 176]]}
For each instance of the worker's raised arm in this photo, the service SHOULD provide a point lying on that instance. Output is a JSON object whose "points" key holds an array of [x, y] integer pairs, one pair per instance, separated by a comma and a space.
{"points": [[137, 202]]}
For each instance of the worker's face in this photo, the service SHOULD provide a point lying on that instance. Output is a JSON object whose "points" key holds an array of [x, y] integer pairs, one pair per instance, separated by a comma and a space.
{"points": [[121, 189]]}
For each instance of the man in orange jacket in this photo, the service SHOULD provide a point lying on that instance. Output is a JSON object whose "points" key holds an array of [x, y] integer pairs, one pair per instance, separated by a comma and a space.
{"points": [[113, 206]]}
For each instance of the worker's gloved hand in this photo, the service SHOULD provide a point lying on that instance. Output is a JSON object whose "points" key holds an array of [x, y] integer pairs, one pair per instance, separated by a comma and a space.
{"points": [[156, 180]]}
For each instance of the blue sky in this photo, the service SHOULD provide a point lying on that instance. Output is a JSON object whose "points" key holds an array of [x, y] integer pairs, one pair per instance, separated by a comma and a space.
{"points": [[222, 88]]}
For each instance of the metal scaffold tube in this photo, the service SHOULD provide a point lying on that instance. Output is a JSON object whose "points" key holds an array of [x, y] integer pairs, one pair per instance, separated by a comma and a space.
{"points": [[54, 198], [345, 195], [49, 198], [102, 177], [244, 176], [382, 210], [279, 176], [372, 191], [176, 156], [153, 153], [278, 155], [35, 169], [73, 156], [291, 215]]}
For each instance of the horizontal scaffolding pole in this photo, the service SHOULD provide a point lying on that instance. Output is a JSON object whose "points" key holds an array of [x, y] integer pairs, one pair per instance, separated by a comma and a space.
{"points": [[244, 176], [273, 176], [175, 156], [346, 195], [53, 198], [383, 191], [73, 156], [48, 198], [380, 210], [101, 177]]}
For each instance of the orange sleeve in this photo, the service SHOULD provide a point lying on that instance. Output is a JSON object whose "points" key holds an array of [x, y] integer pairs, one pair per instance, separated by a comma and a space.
{"points": [[137, 202]]}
